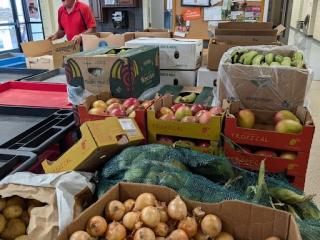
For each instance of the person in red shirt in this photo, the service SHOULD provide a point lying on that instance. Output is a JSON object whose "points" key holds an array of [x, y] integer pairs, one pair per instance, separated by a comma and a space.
{"points": [[74, 18]]}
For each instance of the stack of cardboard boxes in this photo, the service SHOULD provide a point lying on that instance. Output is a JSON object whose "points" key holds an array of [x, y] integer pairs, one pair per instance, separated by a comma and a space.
{"points": [[179, 58]]}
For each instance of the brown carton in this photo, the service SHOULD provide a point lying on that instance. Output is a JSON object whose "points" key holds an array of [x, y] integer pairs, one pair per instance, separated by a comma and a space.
{"points": [[100, 140], [264, 88], [228, 35], [45, 54], [243, 220], [92, 41]]}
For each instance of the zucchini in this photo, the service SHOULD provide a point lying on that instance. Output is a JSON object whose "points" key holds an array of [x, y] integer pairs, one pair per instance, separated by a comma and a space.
{"points": [[250, 56], [257, 60], [269, 58]]}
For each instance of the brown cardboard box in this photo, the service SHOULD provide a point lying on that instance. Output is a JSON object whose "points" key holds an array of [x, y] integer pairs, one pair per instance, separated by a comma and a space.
{"points": [[215, 53], [45, 54], [153, 32], [264, 88], [231, 34], [100, 140], [92, 41], [243, 220]]}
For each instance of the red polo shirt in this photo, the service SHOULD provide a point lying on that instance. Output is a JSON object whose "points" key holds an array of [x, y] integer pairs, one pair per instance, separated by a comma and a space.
{"points": [[77, 21]]}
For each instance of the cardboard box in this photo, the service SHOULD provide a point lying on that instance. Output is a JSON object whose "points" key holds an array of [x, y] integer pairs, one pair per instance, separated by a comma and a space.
{"points": [[207, 78], [244, 33], [176, 54], [243, 220], [295, 170], [154, 33], [192, 131], [269, 88], [124, 74], [84, 116], [100, 140], [204, 94], [102, 39], [176, 77], [231, 34], [263, 133], [45, 54]]}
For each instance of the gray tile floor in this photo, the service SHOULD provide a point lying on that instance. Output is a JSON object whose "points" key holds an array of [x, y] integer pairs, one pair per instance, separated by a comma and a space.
{"points": [[311, 49]]}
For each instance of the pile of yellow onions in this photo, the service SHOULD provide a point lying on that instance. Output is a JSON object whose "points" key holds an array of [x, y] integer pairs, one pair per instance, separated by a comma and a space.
{"points": [[148, 219]]}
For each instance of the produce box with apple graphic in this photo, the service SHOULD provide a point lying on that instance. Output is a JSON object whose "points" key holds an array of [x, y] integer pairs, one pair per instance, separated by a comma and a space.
{"points": [[98, 107], [181, 125], [282, 138], [125, 72]]}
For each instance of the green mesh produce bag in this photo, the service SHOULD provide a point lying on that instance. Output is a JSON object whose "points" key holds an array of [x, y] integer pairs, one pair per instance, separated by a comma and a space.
{"points": [[193, 175]]}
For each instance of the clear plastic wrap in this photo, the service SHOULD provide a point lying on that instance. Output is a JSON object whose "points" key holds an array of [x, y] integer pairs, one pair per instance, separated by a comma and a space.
{"points": [[263, 87]]}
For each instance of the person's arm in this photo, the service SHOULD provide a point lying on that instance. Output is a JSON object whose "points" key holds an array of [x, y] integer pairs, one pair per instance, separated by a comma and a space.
{"points": [[59, 34], [90, 22]]}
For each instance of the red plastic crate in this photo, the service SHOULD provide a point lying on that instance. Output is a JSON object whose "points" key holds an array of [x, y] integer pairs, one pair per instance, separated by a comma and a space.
{"points": [[296, 169], [84, 116], [31, 94], [268, 138]]}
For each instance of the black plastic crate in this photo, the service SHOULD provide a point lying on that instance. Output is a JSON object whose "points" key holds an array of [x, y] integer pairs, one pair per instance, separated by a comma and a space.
{"points": [[52, 129], [12, 161]]}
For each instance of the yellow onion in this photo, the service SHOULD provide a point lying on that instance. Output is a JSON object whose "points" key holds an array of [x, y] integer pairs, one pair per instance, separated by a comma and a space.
{"points": [[189, 225], [211, 225], [177, 209]]}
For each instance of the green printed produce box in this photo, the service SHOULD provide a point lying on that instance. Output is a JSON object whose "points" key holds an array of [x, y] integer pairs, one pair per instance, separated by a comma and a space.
{"points": [[124, 72]]}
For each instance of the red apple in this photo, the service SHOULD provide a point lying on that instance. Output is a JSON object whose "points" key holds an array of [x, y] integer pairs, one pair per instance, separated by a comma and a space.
{"points": [[198, 114], [146, 104], [165, 140], [129, 102], [205, 117], [266, 153], [288, 155], [112, 100], [99, 104], [246, 118], [165, 110], [96, 111], [182, 112], [168, 117], [196, 108], [117, 112], [216, 111], [114, 106], [175, 107], [204, 144], [189, 119]]}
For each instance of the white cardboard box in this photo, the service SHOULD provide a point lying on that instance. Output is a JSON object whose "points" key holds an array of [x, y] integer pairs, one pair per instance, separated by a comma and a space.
{"points": [[207, 78], [178, 77], [177, 54]]}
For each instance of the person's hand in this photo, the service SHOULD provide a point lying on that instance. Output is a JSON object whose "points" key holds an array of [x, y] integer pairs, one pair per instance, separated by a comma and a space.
{"points": [[77, 39], [52, 37]]}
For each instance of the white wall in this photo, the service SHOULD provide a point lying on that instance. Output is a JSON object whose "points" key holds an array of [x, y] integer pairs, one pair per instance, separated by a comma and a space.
{"points": [[296, 12], [316, 32]]}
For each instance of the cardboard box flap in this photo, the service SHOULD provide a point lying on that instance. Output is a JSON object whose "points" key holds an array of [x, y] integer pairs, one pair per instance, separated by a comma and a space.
{"points": [[37, 48], [244, 25], [245, 32], [188, 89], [280, 29], [62, 50]]}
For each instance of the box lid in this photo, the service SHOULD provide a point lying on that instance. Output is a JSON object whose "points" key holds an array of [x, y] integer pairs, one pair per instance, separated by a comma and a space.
{"points": [[246, 25], [160, 41], [37, 48]]}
